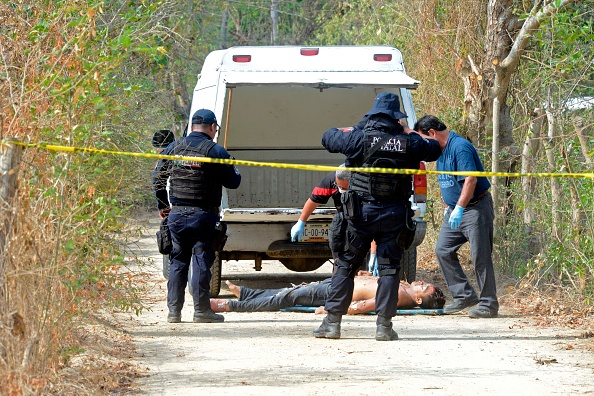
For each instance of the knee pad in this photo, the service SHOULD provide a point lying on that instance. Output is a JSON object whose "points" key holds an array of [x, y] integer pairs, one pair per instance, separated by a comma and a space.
{"points": [[355, 244], [385, 267], [346, 269]]}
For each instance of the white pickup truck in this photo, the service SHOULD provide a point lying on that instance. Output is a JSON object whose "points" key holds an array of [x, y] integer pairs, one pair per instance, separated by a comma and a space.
{"points": [[273, 105]]}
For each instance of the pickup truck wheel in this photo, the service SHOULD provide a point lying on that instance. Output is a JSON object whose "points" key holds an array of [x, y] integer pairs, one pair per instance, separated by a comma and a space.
{"points": [[215, 280], [302, 264], [166, 266], [408, 265]]}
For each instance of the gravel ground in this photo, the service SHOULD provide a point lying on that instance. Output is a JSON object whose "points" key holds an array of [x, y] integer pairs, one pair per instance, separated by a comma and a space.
{"points": [[274, 352]]}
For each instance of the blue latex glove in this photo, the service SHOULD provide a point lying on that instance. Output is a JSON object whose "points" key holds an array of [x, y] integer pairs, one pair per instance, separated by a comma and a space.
{"points": [[456, 217], [297, 230], [372, 266]]}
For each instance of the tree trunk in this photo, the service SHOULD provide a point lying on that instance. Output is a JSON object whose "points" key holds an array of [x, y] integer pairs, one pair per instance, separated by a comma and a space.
{"points": [[578, 215], [181, 104], [10, 158], [530, 151], [505, 41], [495, 161], [578, 124], [224, 22], [555, 187], [274, 17]]}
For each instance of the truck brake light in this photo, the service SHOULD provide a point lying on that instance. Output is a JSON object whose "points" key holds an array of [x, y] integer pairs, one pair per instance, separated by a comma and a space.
{"points": [[310, 51], [382, 57], [242, 58], [420, 185]]}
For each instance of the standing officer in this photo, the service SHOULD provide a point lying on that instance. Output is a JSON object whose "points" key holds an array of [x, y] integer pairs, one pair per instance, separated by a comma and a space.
{"points": [[195, 195], [377, 207], [468, 218]]}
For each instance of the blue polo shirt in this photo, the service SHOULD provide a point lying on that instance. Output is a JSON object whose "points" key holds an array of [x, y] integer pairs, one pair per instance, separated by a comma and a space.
{"points": [[459, 155]]}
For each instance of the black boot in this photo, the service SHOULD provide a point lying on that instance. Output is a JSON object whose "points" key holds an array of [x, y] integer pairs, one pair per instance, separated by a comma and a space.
{"points": [[207, 316], [384, 331], [330, 327]]}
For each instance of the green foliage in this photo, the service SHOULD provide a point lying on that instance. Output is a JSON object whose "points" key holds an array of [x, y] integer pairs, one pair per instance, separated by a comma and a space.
{"points": [[106, 73]]}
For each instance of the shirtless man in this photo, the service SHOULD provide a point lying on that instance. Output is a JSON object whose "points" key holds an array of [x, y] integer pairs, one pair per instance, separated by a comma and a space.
{"points": [[417, 294]]}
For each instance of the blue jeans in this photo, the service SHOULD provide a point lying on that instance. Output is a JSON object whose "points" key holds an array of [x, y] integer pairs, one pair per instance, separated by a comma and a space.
{"points": [[381, 222], [192, 234], [256, 300], [476, 228]]}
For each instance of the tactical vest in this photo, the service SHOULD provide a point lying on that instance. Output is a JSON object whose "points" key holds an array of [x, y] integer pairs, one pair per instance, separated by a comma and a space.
{"points": [[190, 180], [383, 187]]}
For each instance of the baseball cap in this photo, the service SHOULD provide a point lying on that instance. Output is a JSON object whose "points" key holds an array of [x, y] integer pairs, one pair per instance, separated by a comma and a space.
{"points": [[204, 116]]}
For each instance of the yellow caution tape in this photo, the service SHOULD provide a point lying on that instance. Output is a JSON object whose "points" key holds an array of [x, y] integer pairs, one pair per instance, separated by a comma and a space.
{"points": [[320, 168]]}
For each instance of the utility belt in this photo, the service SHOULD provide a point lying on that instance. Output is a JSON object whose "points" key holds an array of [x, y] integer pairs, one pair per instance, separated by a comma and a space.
{"points": [[477, 199], [382, 202], [352, 202], [195, 208]]}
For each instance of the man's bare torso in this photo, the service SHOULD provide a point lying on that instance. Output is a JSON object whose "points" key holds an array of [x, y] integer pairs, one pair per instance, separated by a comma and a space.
{"points": [[365, 288]]}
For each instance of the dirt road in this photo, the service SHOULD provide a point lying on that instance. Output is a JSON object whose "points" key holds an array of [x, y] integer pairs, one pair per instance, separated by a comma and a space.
{"points": [[275, 353]]}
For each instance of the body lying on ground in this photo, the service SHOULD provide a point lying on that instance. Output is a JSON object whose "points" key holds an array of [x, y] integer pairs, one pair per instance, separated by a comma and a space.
{"points": [[315, 294]]}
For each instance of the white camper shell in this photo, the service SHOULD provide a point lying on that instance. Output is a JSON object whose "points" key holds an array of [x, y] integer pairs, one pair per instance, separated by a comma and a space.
{"points": [[273, 105]]}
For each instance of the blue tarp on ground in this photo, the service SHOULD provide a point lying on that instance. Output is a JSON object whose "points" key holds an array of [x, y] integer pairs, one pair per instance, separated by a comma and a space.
{"points": [[415, 311]]}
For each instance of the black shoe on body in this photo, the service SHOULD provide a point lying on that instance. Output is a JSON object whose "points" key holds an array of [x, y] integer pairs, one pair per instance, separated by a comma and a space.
{"points": [[459, 305], [330, 327], [208, 316], [174, 317], [384, 331], [482, 312]]}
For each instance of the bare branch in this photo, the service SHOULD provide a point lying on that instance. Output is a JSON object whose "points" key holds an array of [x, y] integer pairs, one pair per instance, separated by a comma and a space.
{"points": [[537, 16]]}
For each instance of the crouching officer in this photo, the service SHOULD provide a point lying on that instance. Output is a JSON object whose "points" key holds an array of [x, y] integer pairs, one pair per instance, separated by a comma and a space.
{"points": [[377, 207], [195, 194]]}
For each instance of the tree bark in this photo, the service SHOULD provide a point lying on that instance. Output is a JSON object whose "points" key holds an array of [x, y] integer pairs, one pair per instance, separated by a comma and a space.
{"points": [[181, 104], [578, 124], [495, 159], [274, 17], [578, 215], [224, 24], [10, 159], [555, 187], [529, 152]]}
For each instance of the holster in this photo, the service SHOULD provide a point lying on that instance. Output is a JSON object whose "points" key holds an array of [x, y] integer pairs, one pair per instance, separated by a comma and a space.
{"points": [[338, 233], [350, 205], [220, 236], [407, 234], [164, 242]]}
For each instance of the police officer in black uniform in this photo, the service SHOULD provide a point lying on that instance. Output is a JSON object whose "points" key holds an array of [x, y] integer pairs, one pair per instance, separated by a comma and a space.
{"points": [[195, 194], [377, 207]]}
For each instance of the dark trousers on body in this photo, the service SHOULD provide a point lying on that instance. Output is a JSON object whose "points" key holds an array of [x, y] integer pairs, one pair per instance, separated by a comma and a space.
{"points": [[476, 228], [382, 223], [192, 235], [313, 294]]}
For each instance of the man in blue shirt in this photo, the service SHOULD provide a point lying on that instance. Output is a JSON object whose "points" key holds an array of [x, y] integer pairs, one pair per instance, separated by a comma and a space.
{"points": [[195, 190], [468, 218]]}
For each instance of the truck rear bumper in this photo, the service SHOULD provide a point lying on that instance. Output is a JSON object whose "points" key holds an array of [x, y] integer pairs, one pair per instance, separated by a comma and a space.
{"points": [[287, 249]]}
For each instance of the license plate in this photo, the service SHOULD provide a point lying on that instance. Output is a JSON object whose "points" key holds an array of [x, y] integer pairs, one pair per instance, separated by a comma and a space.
{"points": [[316, 232]]}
